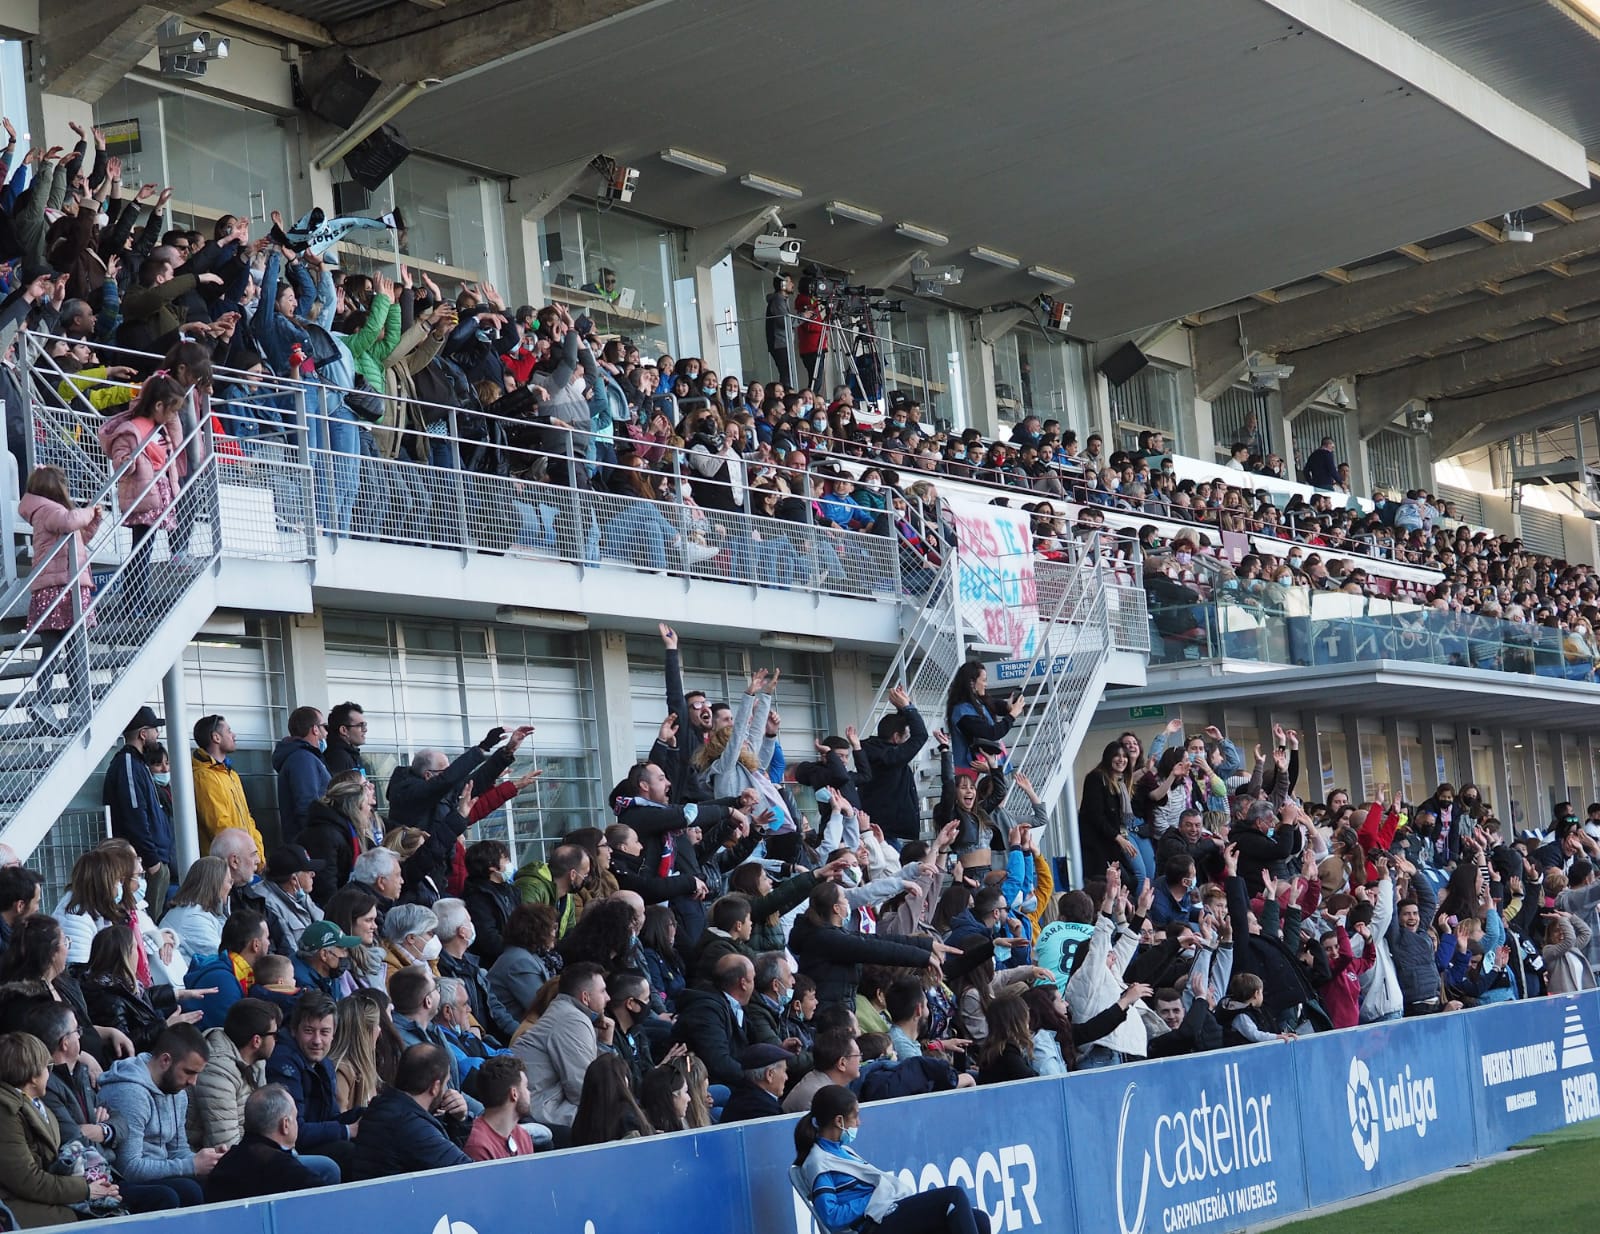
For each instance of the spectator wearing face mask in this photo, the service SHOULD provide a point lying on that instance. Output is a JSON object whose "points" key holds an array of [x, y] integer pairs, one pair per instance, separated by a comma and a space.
{"points": [[285, 892]]}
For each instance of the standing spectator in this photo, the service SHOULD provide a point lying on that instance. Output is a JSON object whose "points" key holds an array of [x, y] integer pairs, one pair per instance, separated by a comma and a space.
{"points": [[780, 308], [49, 509], [418, 1123], [1409, 944], [237, 1066], [557, 883], [347, 733], [1322, 468], [693, 712], [302, 775], [264, 1161], [890, 796], [302, 1066], [137, 814], [147, 438], [219, 800], [559, 1048], [30, 1140], [286, 896], [148, 1099], [507, 1103], [338, 829]]}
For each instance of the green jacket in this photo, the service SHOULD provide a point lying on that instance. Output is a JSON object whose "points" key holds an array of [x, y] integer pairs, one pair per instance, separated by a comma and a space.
{"points": [[536, 885], [370, 346]]}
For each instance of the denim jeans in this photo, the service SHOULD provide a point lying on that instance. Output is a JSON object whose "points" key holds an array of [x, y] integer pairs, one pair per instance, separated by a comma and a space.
{"points": [[639, 535], [1097, 1056], [337, 436], [325, 1168], [1142, 863]]}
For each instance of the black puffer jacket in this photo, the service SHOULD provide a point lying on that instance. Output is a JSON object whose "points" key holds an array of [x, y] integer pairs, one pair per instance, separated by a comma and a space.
{"points": [[707, 1026], [833, 958], [327, 836], [490, 906]]}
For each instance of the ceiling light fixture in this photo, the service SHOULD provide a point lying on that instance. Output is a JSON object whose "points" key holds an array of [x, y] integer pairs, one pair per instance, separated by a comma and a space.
{"points": [[1515, 232], [1059, 277], [858, 214], [779, 640], [926, 235], [995, 257], [763, 184], [694, 162], [541, 618]]}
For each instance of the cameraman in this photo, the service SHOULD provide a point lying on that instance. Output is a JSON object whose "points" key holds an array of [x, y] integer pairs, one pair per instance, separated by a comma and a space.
{"points": [[780, 307], [811, 336]]}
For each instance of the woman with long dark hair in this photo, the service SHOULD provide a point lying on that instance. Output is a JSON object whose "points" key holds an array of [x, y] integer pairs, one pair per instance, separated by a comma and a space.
{"points": [[664, 1098], [111, 988], [38, 954], [1107, 826], [969, 714], [846, 1191], [1007, 1052], [606, 1109]]}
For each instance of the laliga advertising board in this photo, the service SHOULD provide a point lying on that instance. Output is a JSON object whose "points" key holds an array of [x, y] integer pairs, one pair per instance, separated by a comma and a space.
{"points": [[1534, 1065], [1209, 1142], [1384, 1104]]}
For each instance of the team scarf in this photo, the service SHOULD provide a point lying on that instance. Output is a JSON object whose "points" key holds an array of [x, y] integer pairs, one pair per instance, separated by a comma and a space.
{"points": [[313, 233]]}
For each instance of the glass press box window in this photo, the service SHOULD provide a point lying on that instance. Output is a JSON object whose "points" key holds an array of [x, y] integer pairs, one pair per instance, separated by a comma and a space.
{"points": [[217, 157], [1040, 374], [618, 268], [1148, 400]]}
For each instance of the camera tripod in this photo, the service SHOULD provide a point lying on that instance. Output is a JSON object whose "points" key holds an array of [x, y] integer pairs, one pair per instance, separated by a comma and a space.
{"points": [[850, 343]]}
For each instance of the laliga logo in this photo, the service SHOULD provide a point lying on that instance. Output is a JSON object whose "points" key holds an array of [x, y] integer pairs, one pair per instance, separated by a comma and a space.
{"points": [[1397, 1103], [446, 1226], [1363, 1113]]}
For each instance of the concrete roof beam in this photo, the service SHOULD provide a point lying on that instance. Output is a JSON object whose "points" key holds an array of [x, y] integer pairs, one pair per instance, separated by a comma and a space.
{"points": [[1309, 320], [83, 60], [1380, 398], [1457, 420]]}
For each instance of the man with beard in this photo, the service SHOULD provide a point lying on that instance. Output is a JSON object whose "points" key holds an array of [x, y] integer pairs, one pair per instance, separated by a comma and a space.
{"points": [[148, 1100], [507, 1103]]}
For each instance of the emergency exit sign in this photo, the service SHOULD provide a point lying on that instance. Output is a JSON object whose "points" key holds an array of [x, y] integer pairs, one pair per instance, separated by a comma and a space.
{"points": [[1147, 713]]}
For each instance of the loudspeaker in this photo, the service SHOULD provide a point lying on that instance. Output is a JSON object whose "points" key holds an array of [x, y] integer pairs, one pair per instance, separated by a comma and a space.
{"points": [[375, 159], [552, 248], [350, 198], [1121, 365], [343, 94]]}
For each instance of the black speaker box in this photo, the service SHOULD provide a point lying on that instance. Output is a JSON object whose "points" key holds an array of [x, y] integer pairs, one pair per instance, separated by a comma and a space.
{"points": [[340, 97], [1123, 364], [376, 158]]}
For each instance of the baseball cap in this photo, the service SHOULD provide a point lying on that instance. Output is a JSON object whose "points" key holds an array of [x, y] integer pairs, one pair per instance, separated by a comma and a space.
{"points": [[320, 934]]}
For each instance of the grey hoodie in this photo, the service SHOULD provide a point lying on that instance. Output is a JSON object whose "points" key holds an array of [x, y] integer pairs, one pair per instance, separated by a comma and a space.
{"points": [[151, 1141]]}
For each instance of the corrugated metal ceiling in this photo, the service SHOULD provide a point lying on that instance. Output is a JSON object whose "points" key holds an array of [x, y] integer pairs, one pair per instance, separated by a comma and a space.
{"points": [[1531, 51]]}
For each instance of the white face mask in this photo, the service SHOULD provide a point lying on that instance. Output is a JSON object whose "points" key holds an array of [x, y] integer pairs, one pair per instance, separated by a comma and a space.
{"points": [[508, 871], [432, 948]]}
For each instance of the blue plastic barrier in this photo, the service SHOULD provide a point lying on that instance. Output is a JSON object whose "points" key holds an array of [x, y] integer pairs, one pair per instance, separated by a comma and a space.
{"points": [[1207, 1143]]}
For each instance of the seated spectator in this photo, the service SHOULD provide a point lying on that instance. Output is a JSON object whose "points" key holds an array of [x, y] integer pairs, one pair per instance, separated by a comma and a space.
{"points": [[285, 890], [148, 1099], [607, 1110], [302, 1066], [556, 883], [231, 973], [507, 1099], [377, 872], [849, 1194], [664, 1098], [490, 896], [418, 1124], [628, 1003], [322, 956], [410, 939], [558, 1049], [363, 1031], [457, 933], [760, 1089], [529, 958], [70, 1094], [236, 1067], [837, 1060], [19, 898], [200, 908], [111, 989], [711, 1022], [264, 1162], [30, 1141]]}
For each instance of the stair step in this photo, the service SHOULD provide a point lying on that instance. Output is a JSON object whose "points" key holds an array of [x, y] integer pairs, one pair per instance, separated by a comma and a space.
{"points": [[99, 661]]}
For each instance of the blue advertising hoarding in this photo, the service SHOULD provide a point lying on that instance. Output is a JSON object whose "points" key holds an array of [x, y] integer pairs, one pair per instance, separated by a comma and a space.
{"points": [[1383, 1104], [1533, 1067], [1211, 1142], [1007, 1145], [1208, 1142]]}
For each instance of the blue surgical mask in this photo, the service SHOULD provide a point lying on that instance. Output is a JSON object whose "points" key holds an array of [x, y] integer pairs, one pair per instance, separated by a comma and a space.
{"points": [[322, 746], [708, 391], [848, 1135], [162, 777], [139, 885], [787, 998]]}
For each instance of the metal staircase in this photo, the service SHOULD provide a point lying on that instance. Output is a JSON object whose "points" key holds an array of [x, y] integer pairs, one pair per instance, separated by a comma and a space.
{"points": [[64, 701], [1055, 644]]}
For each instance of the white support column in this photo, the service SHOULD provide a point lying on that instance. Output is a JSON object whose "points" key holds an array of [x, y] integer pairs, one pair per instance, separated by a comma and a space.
{"points": [[704, 248], [524, 261], [185, 820], [613, 704], [305, 661]]}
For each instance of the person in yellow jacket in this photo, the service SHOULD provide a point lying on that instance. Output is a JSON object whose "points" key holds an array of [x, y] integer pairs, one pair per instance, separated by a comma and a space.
{"points": [[219, 798], [89, 384]]}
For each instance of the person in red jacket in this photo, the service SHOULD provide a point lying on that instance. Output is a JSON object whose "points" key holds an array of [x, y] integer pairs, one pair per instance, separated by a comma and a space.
{"points": [[1341, 993]]}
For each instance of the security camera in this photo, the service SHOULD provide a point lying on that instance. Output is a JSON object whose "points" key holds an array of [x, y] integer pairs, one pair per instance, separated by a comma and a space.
{"points": [[1515, 231], [780, 247], [621, 183]]}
